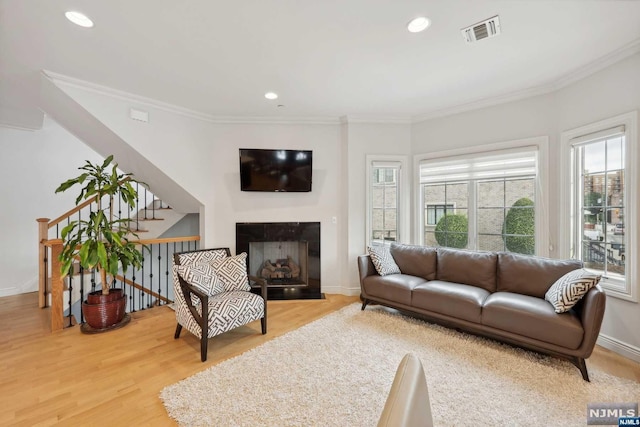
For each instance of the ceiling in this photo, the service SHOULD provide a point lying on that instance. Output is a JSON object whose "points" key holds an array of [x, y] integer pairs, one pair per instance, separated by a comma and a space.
{"points": [[328, 58]]}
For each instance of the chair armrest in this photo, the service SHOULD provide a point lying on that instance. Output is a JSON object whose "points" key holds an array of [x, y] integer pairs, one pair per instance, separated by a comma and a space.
{"points": [[591, 312], [263, 292], [188, 291], [260, 282]]}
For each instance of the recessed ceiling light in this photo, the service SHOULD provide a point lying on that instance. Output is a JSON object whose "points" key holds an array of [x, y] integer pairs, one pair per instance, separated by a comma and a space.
{"points": [[271, 95], [79, 19], [418, 24]]}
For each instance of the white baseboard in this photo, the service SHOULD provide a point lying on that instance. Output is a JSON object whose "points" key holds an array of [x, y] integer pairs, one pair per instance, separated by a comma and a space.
{"points": [[340, 290], [617, 346], [5, 292]]}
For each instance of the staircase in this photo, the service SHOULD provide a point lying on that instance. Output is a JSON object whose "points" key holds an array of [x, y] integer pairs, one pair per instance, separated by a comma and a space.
{"points": [[147, 287]]}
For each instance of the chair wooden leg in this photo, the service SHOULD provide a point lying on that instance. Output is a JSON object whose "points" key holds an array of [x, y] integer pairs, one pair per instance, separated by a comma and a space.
{"points": [[178, 330], [263, 322], [204, 341]]}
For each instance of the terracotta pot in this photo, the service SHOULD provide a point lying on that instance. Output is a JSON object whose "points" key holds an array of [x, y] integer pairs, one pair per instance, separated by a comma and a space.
{"points": [[103, 311]]}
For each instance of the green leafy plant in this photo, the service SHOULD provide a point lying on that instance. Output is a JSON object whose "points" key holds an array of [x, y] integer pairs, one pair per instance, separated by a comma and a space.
{"points": [[452, 230], [519, 227], [101, 241]]}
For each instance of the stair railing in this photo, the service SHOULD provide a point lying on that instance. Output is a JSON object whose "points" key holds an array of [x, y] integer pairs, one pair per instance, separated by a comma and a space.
{"points": [[147, 287], [51, 229]]}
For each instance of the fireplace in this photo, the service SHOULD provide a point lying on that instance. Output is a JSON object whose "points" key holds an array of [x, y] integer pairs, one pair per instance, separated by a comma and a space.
{"points": [[285, 254]]}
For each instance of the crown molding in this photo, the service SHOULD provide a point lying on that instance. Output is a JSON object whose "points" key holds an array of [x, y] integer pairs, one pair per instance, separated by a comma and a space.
{"points": [[355, 119], [573, 76], [578, 74], [64, 80], [599, 64], [483, 103], [16, 127]]}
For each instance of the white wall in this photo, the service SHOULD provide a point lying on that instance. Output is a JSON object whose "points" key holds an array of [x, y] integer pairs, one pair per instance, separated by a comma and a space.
{"points": [[363, 139], [612, 91], [32, 165], [202, 157], [528, 118]]}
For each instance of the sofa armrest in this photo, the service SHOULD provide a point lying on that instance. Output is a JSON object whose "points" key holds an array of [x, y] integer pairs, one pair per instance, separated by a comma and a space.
{"points": [[366, 267], [408, 401], [591, 312]]}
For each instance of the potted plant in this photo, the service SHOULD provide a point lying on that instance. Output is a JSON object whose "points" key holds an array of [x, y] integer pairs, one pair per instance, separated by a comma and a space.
{"points": [[101, 241]]}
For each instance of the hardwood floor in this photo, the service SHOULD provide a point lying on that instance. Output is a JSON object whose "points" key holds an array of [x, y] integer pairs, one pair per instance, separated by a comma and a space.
{"points": [[69, 378]]}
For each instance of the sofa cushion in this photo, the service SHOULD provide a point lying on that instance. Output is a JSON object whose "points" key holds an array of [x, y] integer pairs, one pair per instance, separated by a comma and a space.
{"points": [[570, 288], [415, 260], [533, 318], [452, 299], [530, 275], [393, 287], [467, 267], [382, 260]]}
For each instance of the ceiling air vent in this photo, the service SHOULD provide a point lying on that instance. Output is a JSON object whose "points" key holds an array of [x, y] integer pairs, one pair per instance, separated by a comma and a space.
{"points": [[482, 30]]}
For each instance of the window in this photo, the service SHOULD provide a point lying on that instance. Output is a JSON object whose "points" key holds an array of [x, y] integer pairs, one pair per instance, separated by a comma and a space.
{"points": [[484, 201], [600, 181], [384, 203], [385, 175], [435, 212], [386, 199], [603, 208]]}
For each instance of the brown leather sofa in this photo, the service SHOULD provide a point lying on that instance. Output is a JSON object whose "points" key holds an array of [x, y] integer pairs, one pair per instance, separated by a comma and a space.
{"points": [[499, 295]]}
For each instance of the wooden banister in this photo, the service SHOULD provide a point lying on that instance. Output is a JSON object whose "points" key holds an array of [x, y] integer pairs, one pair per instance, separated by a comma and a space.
{"points": [[72, 211], [145, 290], [80, 207], [57, 285], [166, 240], [43, 234]]}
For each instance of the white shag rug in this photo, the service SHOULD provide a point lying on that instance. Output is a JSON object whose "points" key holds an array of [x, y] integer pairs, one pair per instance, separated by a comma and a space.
{"points": [[337, 371]]}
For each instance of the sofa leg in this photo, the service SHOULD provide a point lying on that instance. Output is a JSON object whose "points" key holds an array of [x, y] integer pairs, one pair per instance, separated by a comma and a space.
{"points": [[178, 330], [364, 303], [582, 365]]}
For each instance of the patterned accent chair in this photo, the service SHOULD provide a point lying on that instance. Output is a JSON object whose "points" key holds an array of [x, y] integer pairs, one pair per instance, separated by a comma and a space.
{"points": [[225, 301]]}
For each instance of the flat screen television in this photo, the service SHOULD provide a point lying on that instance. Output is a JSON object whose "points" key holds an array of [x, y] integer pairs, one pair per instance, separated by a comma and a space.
{"points": [[275, 170]]}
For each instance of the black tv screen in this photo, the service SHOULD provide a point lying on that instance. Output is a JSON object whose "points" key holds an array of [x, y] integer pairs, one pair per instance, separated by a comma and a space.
{"points": [[275, 170]]}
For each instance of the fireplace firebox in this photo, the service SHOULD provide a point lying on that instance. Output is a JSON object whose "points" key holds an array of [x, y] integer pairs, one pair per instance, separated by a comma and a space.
{"points": [[285, 254]]}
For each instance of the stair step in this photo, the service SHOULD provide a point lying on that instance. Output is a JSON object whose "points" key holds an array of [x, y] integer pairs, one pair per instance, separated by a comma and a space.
{"points": [[150, 219]]}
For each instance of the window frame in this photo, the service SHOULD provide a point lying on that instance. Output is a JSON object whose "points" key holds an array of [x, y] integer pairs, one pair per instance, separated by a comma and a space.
{"points": [[541, 145], [447, 207], [402, 196], [626, 289]]}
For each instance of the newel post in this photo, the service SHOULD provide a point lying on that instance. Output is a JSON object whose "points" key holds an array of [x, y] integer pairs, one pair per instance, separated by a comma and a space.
{"points": [[43, 235], [57, 286]]}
